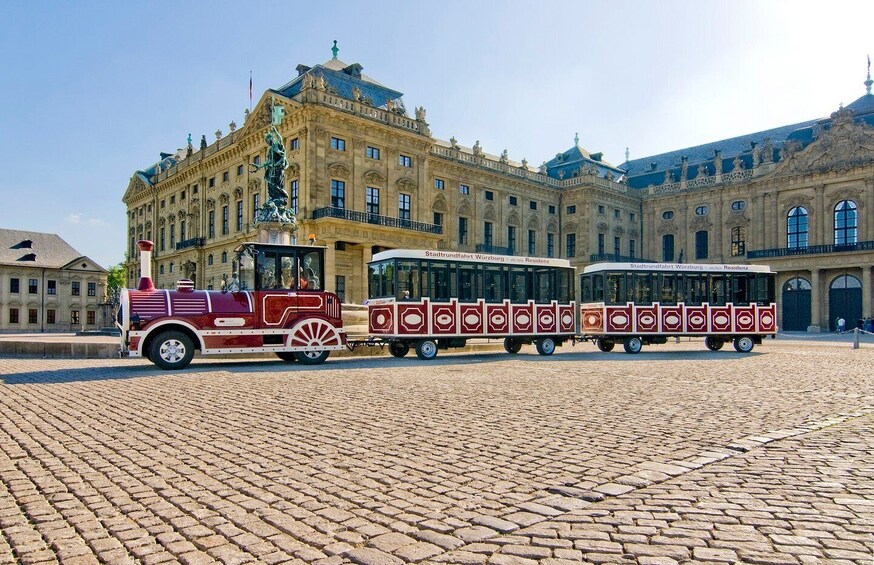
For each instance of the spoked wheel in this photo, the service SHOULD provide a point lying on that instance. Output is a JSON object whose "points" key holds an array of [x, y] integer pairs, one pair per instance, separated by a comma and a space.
{"points": [[713, 344], [398, 348], [171, 350], [632, 344], [287, 356], [512, 345], [312, 357], [744, 344], [426, 349], [605, 345], [545, 346]]}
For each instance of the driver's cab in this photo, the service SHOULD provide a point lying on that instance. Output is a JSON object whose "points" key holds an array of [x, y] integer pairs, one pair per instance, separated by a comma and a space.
{"points": [[263, 266]]}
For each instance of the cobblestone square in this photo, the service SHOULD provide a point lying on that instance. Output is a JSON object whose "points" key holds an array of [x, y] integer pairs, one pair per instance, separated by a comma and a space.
{"points": [[674, 455]]}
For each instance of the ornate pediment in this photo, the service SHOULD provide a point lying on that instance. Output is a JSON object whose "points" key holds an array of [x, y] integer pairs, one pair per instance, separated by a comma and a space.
{"points": [[238, 192], [570, 227], [699, 223], [737, 218], [224, 198], [552, 226], [210, 203], [618, 230], [405, 184], [843, 146], [293, 170], [489, 213], [854, 194], [338, 170], [533, 223], [602, 226], [666, 227], [171, 218], [254, 185], [374, 177], [633, 232], [464, 210], [798, 200], [513, 218], [439, 204], [162, 221]]}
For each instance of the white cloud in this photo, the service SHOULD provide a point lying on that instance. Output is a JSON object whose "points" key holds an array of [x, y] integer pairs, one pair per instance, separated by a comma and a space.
{"points": [[74, 218], [78, 218]]}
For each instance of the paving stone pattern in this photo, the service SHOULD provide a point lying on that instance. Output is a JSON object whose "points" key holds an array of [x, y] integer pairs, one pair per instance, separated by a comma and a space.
{"points": [[674, 455]]}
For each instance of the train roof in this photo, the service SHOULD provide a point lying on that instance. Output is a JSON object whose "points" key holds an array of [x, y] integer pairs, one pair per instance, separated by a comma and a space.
{"points": [[677, 268], [437, 255]]}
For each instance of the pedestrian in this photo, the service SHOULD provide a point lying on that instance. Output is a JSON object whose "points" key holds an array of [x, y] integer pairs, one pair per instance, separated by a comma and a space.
{"points": [[841, 325]]}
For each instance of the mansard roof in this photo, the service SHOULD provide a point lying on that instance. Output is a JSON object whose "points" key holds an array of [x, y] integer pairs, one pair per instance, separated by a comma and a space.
{"points": [[576, 161], [36, 249], [341, 79]]}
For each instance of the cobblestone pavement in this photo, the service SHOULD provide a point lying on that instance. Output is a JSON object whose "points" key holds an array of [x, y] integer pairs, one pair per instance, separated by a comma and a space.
{"points": [[676, 454]]}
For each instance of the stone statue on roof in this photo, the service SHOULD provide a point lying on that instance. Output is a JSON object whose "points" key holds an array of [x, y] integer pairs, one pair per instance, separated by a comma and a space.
{"points": [[477, 150], [420, 113], [767, 151], [203, 142], [755, 153], [737, 164]]}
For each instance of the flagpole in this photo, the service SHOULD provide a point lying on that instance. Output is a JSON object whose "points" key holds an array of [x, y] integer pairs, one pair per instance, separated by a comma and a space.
{"points": [[250, 91]]}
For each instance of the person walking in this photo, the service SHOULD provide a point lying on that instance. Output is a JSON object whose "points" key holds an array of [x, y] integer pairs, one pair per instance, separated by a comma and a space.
{"points": [[841, 325]]}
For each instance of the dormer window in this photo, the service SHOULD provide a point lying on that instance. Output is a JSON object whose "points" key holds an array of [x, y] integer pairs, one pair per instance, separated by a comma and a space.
{"points": [[23, 244], [28, 257]]}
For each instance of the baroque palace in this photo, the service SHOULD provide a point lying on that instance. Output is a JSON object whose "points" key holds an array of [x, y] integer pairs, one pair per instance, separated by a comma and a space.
{"points": [[364, 175]]}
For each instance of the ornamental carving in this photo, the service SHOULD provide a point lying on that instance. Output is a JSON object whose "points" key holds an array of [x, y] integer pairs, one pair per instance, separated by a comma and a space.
{"points": [[798, 200], [513, 218], [666, 227], [489, 213], [225, 198], [570, 227], [552, 226], [737, 218], [171, 218], [254, 185], [843, 146], [293, 170], [440, 204], [633, 232], [148, 224], [603, 227], [699, 223], [210, 203], [162, 222], [238, 192], [132, 230], [534, 223], [405, 184], [464, 210], [337, 170], [618, 230], [373, 177], [853, 194]]}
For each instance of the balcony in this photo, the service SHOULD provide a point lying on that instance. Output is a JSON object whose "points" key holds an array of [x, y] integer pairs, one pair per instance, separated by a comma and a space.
{"points": [[614, 258], [493, 249], [193, 242], [811, 250], [376, 219]]}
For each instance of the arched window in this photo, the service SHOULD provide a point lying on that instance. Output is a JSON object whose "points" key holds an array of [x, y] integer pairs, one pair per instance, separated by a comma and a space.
{"points": [[845, 223], [668, 247], [209, 259], [224, 256], [738, 241], [161, 269], [796, 228], [796, 283], [171, 266], [845, 281]]}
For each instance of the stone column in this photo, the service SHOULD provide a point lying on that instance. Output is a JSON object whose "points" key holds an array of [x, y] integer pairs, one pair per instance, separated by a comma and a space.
{"points": [[866, 290], [822, 218], [329, 280], [815, 313]]}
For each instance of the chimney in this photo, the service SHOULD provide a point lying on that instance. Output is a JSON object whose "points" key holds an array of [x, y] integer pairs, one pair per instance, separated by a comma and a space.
{"points": [[145, 248]]}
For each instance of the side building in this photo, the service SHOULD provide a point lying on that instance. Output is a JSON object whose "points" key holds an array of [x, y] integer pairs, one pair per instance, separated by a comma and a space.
{"points": [[47, 286], [366, 175]]}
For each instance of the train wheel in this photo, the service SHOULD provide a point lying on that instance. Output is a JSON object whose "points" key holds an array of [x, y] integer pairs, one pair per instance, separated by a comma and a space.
{"points": [[398, 348], [426, 349], [512, 345], [713, 344], [287, 356], [312, 357], [605, 345], [632, 344], [545, 346], [171, 350], [744, 344]]}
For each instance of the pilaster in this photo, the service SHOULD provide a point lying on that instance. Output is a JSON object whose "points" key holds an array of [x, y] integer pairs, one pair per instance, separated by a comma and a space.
{"points": [[815, 306]]}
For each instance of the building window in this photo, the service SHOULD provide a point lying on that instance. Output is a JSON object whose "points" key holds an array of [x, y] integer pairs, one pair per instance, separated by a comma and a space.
{"points": [[571, 210], [617, 246], [462, 231], [211, 184], [256, 203], [52, 287], [513, 201], [668, 248], [340, 287], [293, 196], [338, 193], [194, 189], [162, 203], [405, 161], [738, 205], [702, 244], [571, 245], [796, 228], [738, 241], [32, 316], [668, 215], [532, 243], [631, 246], [439, 184], [511, 239], [551, 209], [550, 245], [225, 219], [181, 198], [210, 224], [487, 233], [50, 316], [32, 286], [338, 144], [438, 219], [172, 265], [294, 144], [226, 176], [239, 215], [602, 244], [161, 268], [601, 209], [182, 230], [172, 236], [163, 233], [14, 286], [239, 170], [464, 189], [74, 288], [209, 259], [701, 210], [532, 205], [13, 315], [256, 160], [92, 289], [224, 256], [173, 199], [74, 317], [845, 222], [632, 216], [617, 214], [371, 152], [490, 195], [91, 317], [404, 206], [372, 203]]}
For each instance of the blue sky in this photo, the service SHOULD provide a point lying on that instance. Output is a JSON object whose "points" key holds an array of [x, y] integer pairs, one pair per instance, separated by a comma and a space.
{"points": [[93, 91]]}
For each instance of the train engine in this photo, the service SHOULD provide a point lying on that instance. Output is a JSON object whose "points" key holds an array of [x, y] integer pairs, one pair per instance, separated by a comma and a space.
{"points": [[274, 302]]}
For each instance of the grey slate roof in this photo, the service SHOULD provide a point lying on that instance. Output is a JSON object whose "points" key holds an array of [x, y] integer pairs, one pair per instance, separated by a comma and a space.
{"points": [[35, 249], [567, 164], [343, 78]]}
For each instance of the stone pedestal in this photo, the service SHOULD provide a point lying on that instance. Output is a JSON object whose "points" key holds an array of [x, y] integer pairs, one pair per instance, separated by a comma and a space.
{"points": [[277, 233]]}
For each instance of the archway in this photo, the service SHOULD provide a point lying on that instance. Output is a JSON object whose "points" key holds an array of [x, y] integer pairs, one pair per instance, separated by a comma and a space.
{"points": [[796, 305], [844, 300]]}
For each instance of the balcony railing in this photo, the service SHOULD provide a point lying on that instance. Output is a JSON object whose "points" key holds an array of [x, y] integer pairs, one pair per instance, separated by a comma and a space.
{"points": [[493, 249], [811, 250], [193, 242], [613, 257], [367, 218]]}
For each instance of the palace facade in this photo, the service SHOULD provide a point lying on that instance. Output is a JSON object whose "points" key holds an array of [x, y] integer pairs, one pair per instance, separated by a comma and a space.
{"points": [[366, 175]]}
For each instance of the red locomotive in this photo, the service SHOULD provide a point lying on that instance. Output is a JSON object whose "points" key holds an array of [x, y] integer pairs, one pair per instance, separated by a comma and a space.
{"points": [[274, 303]]}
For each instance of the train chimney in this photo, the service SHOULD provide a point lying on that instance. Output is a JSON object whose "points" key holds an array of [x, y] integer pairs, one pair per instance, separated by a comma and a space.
{"points": [[145, 248]]}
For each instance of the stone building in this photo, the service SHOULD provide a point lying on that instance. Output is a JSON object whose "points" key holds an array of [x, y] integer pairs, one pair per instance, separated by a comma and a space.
{"points": [[365, 175], [47, 286]]}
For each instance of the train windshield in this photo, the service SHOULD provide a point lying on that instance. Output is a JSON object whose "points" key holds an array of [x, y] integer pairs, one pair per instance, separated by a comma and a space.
{"points": [[276, 267]]}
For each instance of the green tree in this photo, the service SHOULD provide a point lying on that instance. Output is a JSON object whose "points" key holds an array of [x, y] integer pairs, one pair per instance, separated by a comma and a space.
{"points": [[115, 281]]}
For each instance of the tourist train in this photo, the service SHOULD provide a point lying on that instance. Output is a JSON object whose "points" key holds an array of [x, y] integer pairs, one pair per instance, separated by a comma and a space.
{"points": [[427, 300]]}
